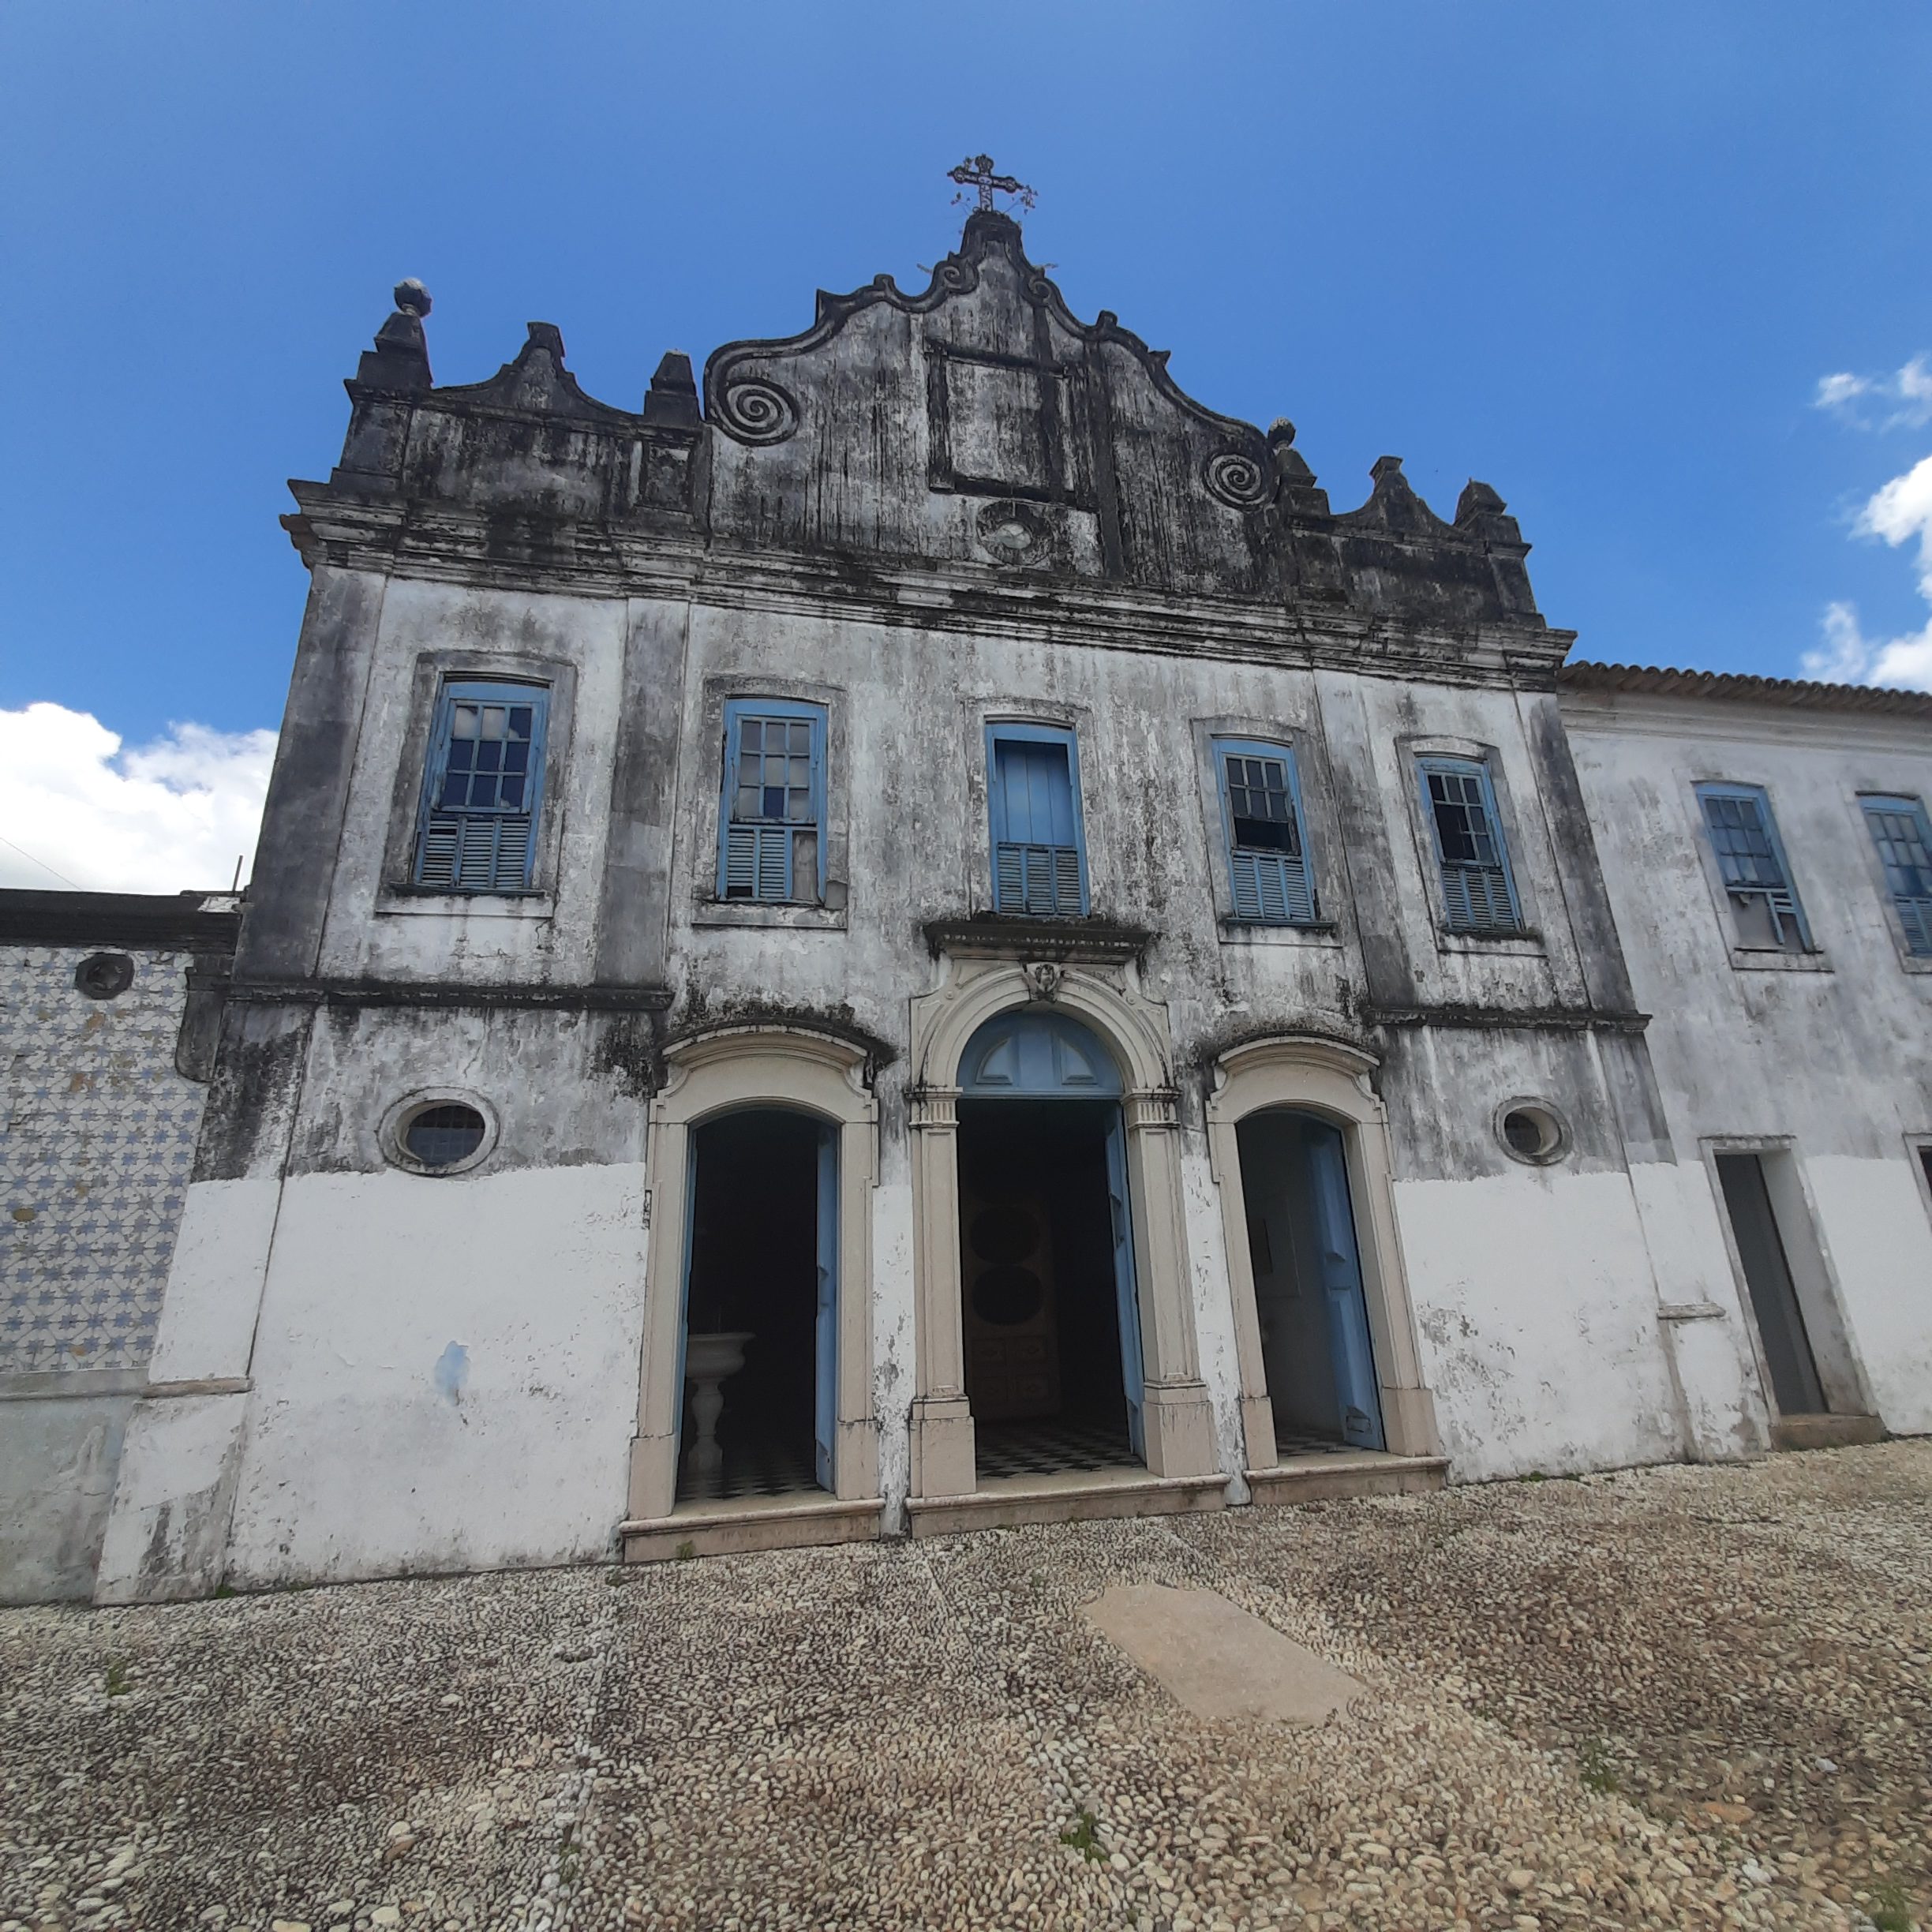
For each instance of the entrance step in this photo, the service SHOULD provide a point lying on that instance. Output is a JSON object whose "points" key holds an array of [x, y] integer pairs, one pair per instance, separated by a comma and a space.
{"points": [[1333, 1476], [1826, 1431], [1006, 1502], [757, 1523]]}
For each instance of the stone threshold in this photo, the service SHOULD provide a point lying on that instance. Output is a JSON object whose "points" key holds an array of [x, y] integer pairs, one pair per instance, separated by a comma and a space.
{"points": [[1337, 1475], [1082, 1496], [1826, 1431], [755, 1523]]}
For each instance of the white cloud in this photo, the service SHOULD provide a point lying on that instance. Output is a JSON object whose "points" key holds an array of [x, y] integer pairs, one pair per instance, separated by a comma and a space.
{"points": [[1897, 402], [166, 817], [1900, 513]]}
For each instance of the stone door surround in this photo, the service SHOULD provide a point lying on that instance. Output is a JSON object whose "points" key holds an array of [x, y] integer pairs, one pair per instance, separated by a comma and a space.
{"points": [[757, 1066], [1104, 997], [1333, 1082]]}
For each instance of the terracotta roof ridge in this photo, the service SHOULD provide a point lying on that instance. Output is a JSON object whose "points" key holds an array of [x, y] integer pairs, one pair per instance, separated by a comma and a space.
{"points": [[1666, 681]]}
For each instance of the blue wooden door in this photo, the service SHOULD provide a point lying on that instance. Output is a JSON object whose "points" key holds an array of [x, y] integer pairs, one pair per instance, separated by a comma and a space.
{"points": [[1133, 1374], [1340, 1263], [825, 1408]]}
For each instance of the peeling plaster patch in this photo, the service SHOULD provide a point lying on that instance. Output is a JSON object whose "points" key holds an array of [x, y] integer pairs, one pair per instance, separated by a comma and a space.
{"points": [[452, 1371]]}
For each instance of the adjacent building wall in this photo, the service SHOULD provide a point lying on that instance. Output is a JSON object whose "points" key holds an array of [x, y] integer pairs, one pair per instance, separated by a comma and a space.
{"points": [[1828, 1054], [99, 1113]]}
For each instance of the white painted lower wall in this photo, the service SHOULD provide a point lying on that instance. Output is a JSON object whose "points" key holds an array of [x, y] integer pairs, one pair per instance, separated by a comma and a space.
{"points": [[445, 1374], [1877, 1240], [1540, 1337]]}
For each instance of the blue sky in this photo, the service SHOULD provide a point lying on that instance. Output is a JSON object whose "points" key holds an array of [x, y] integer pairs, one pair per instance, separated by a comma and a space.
{"points": [[1599, 256]]}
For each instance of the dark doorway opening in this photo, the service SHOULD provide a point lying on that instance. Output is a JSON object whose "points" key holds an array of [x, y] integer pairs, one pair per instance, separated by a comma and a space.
{"points": [[1309, 1299], [753, 1273], [1039, 1287], [1796, 1386]]}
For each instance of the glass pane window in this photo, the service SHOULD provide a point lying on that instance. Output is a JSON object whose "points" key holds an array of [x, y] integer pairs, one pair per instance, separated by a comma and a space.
{"points": [[1261, 805], [770, 845], [1764, 912], [1463, 831], [482, 788], [1899, 831], [1742, 842], [774, 773]]}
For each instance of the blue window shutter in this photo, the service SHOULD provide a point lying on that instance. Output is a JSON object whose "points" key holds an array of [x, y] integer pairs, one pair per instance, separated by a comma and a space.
{"points": [[1472, 860], [1900, 831], [1751, 862], [1039, 849], [771, 810], [1265, 834], [483, 787]]}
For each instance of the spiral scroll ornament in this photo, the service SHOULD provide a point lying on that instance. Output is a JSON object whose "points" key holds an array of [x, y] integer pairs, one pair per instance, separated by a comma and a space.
{"points": [[755, 409], [1237, 478]]}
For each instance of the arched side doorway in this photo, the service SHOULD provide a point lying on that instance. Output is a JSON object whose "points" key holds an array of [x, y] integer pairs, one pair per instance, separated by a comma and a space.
{"points": [[732, 1099], [1298, 1140], [1176, 1421], [1051, 1317]]}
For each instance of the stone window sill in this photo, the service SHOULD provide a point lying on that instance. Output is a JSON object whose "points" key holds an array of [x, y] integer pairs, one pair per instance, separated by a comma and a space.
{"points": [[1765, 959], [398, 902], [1265, 933], [759, 912], [1525, 940]]}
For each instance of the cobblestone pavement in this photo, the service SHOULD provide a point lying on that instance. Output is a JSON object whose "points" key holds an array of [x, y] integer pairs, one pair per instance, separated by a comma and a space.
{"points": [[1680, 1697]]}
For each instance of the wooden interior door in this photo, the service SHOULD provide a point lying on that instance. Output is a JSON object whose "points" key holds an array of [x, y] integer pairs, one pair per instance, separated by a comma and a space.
{"points": [[1007, 1276]]}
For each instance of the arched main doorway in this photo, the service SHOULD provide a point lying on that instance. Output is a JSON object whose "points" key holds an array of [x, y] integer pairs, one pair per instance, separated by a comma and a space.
{"points": [[1050, 1315]]}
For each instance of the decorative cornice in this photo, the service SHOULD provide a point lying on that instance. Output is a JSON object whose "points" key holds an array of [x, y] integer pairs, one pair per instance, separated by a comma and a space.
{"points": [[1032, 941], [354, 992], [1532, 1019]]}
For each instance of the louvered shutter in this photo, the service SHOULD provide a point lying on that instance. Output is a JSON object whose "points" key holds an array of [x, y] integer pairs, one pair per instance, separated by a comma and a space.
{"points": [[480, 809], [1036, 855]]}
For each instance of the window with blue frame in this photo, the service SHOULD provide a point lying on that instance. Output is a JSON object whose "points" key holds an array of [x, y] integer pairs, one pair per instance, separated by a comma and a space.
{"points": [[482, 786], [1039, 854], [1900, 830], [1269, 873], [771, 840], [1479, 894], [1765, 910]]}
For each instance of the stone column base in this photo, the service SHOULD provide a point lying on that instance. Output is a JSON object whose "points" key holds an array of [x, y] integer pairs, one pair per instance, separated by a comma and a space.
{"points": [[942, 1446], [654, 1476], [1178, 1419], [1257, 1413], [1409, 1422]]}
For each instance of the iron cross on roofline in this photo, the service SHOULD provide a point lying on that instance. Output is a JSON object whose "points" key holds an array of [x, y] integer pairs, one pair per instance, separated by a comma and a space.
{"points": [[976, 171]]}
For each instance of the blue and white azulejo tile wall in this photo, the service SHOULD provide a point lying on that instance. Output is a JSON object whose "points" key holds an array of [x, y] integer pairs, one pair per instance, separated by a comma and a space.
{"points": [[97, 1141]]}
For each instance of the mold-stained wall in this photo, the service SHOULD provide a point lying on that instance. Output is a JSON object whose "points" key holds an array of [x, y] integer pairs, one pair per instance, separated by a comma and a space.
{"points": [[925, 512], [1826, 1053]]}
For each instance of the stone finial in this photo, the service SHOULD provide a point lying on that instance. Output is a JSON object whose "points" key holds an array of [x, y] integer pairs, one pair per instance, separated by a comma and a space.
{"points": [[672, 397], [400, 359]]}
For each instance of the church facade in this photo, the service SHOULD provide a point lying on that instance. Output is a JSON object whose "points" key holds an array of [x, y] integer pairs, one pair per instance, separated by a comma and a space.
{"points": [[923, 936]]}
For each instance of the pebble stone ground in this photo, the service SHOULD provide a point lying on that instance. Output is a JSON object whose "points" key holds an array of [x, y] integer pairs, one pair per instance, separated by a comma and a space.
{"points": [[1678, 1697]]}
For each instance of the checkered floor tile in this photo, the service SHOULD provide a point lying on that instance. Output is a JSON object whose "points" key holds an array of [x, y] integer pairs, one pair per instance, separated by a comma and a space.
{"points": [[1048, 1448], [762, 1467], [1304, 1442]]}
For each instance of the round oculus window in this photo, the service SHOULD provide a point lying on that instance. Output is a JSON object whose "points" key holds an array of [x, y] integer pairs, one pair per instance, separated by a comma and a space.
{"points": [[103, 975], [444, 1135], [1530, 1132]]}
